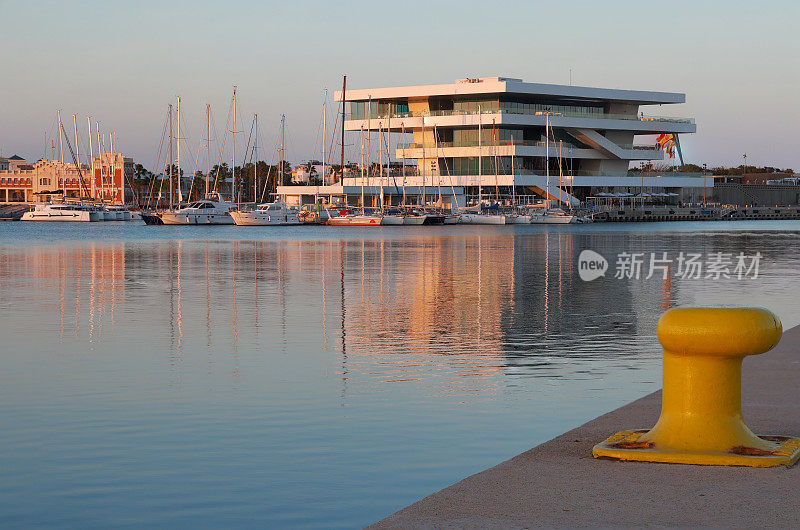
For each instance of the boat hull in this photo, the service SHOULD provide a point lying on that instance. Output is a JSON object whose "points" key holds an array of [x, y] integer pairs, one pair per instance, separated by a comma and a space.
{"points": [[518, 219], [392, 220], [68, 217], [414, 219], [355, 220], [482, 219], [451, 219], [552, 219], [178, 218], [262, 219]]}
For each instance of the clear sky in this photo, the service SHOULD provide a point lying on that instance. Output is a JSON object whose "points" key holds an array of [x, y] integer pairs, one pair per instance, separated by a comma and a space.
{"points": [[123, 62]]}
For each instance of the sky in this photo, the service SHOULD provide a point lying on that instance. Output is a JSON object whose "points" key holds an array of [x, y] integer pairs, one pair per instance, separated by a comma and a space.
{"points": [[122, 63]]}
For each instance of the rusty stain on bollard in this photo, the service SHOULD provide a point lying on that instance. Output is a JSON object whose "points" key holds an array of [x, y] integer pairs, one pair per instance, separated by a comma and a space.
{"points": [[701, 412]]}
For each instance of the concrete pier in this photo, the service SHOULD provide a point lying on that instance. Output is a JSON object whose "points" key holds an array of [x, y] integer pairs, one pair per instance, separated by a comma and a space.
{"points": [[559, 483]]}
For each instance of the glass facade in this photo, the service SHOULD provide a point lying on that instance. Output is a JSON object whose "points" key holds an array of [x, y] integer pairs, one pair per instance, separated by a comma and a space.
{"points": [[469, 165], [489, 136], [377, 109]]}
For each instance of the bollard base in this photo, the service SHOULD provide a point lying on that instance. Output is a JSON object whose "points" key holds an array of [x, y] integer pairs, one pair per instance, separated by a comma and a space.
{"points": [[625, 445]]}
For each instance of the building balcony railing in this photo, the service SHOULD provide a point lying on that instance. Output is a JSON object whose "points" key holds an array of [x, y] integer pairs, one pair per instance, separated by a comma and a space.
{"points": [[585, 115], [553, 145]]}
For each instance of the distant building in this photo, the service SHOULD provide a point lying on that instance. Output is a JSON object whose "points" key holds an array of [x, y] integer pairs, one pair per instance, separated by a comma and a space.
{"points": [[102, 179], [303, 173], [490, 132], [3, 164]]}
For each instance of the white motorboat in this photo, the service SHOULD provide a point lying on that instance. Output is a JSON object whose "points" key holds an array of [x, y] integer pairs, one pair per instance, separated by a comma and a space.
{"points": [[63, 212], [481, 219], [552, 216], [116, 212], [267, 214], [212, 210]]}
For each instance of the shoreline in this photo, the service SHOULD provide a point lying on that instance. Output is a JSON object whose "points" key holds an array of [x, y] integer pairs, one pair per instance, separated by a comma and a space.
{"points": [[559, 483]]}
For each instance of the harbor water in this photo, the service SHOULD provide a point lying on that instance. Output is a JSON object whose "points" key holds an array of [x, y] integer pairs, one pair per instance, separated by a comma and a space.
{"points": [[323, 377]]}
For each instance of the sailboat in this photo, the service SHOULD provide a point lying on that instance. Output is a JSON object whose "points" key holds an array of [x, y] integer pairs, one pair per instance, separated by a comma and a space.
{"points": [[213, 209], [550, 215], [475, 215], [276, 213], [348, 217]]}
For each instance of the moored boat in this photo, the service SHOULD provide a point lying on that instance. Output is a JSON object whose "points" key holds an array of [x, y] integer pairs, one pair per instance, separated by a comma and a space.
{"points": [[482, 219], [63, 212], [267, 214], [212, 210]]}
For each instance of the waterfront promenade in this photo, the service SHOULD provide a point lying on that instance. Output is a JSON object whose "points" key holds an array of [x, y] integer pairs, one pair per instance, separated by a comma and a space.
{"points": [[558, 483]]}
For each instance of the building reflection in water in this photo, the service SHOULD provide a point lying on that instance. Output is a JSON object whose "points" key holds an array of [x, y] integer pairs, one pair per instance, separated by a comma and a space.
{"points": [[455, 312]]}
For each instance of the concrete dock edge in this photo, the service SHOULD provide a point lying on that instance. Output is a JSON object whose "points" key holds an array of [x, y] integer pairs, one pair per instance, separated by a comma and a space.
{"points": [[558, 483]]}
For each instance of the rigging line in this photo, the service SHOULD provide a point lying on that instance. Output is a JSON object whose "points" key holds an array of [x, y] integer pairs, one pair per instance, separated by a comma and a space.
{"points": [[158, 162], [194, 174], [316, 140], [269, 170], [222, 148], [247, 148], [333, 137], [244, 156]]}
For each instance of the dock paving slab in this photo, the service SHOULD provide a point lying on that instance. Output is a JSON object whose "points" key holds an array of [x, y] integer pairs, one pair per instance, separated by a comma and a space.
{"points": [[560, 484]]}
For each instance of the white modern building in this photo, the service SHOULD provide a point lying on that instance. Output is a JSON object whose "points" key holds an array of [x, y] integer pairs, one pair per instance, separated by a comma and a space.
{"points": [[491, 132]]}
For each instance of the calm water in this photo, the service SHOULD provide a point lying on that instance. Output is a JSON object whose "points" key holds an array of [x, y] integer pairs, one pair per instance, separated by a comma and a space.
{"points": [[319, 377]]}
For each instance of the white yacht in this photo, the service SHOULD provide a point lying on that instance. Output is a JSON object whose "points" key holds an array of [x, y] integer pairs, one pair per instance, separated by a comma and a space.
{"points": [[117, 212], [481, 219], [552, 216], [52, 211], [212, 210], [267, 214]]}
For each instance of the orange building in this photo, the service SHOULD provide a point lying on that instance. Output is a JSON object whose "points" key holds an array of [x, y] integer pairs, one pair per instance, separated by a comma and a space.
{"points": [[103, 179]]}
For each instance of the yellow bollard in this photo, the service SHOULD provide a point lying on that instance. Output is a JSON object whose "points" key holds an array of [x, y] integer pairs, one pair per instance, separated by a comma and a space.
{"points": [[701, 410]]}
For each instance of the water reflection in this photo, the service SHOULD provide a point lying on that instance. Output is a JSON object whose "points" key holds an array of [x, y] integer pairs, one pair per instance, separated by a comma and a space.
{"points": [[348, 373], [456, 312]]}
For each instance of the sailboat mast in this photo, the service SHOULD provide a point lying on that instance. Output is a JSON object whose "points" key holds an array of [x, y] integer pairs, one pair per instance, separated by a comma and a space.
{"points": [[424, 163], [362, 170], [513, 176], [369, 146], [495, 141], [344, 86], [324, 132], [547, 156], [113, 170], [403, 133], [388, 152], [208, 153], [178, 176], [77, 147], [283, 151], [380, 158], [170, 158], [91, 154], [100, 156], [233, 155], [255, 158], [60, 142], [480, 162]]}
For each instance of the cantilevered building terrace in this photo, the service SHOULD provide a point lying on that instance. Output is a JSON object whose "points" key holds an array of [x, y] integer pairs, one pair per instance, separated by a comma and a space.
{"points": [[492, 131]]}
